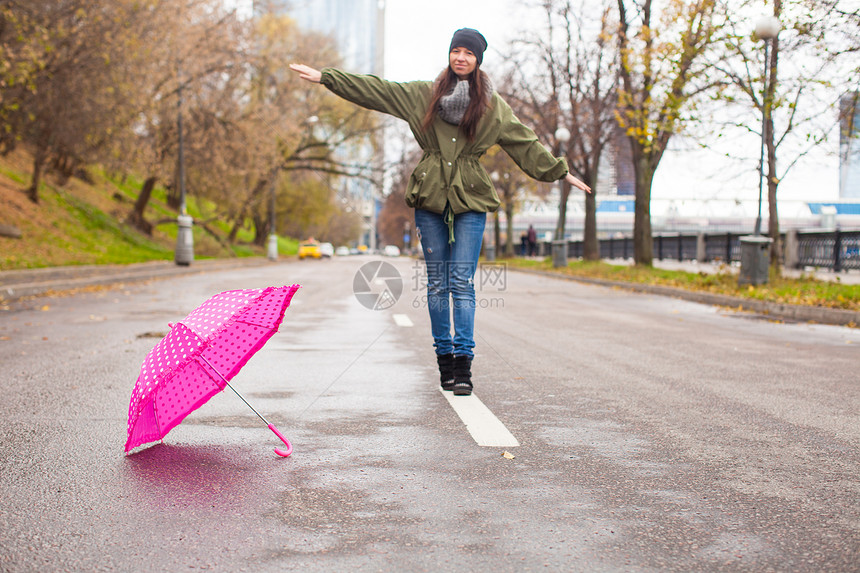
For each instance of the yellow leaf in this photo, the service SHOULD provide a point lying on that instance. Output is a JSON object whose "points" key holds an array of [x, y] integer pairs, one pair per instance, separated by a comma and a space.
{"points": [[508, 455]]}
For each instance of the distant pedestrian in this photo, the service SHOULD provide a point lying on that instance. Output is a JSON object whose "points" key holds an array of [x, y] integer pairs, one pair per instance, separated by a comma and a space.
{"points": [[524, 244], [532, 240], [455, 120]]}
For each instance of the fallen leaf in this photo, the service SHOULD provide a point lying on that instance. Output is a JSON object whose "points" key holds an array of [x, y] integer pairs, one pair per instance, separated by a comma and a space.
{"points": [[508, 455], [45, 308]]}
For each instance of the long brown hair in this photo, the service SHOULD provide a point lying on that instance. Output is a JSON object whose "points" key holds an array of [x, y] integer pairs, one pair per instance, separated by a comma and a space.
{"points": [[479, 99]]}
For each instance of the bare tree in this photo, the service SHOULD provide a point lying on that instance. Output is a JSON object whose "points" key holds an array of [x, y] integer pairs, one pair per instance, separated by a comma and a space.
{"points": [[512, 184], [567, 78], [246, 121], [24, 43], [790, 94], [197, 71], [71, 60], [395, 217], [292, 127], [662, 68]]}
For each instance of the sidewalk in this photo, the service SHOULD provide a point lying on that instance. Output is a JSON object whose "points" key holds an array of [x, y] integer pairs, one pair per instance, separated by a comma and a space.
{"points": [[771, 310], [850, 277], [18, 284]]}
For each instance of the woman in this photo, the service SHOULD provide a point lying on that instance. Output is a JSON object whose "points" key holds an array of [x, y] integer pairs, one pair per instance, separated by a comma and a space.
{"points": [[455, 120]]}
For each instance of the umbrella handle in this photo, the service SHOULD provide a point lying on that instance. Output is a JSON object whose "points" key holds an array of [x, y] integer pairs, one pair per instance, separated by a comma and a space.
{"points": [[282, 453]]}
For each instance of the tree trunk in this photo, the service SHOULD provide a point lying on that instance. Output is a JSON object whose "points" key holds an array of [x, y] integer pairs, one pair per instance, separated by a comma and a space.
{"points": [[173, 199], [773, 215], [497, 233], [237, 224], [562, 210], [591, 247], [509, 224], [242, 212], [174, 192], [643, 242], [39, 159], [261, 229], [136, 217], [772, 179]]}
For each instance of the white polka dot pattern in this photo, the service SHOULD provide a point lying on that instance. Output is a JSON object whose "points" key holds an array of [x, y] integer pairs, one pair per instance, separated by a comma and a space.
{"points": [[232, 352], [174, 380], [163, 360], [182, 394]]}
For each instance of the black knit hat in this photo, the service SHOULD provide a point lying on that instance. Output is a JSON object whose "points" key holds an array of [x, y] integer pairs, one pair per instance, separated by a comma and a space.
{"points": [[470, 39]]}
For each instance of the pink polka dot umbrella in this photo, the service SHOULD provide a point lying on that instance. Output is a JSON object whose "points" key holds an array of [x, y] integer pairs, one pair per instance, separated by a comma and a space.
{"points": [[199, 356]]}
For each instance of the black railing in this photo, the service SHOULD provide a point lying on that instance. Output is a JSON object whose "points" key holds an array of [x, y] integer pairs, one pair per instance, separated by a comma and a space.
{"points": [[676, 247], [836, 250], [725, 247]]}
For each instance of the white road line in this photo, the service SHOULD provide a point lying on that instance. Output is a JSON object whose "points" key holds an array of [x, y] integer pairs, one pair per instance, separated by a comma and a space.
{"points": [[486, 429], [402, 320]]}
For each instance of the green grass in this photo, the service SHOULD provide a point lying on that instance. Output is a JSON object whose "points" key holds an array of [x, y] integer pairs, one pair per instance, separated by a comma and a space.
{"points": [[95, 232], [804, 290], [16, 176], [77, 223]]}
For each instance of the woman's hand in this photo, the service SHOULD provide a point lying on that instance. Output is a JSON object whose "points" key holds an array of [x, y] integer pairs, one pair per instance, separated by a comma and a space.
{"points": [[307, 73], [577, 183]]}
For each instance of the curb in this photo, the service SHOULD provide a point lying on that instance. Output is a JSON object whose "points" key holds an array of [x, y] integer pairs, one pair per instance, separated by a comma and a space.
{"points": [[15, 285], [774, 310]]}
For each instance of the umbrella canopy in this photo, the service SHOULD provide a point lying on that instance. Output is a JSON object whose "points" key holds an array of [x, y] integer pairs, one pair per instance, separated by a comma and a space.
{"points": [[199, 356]]}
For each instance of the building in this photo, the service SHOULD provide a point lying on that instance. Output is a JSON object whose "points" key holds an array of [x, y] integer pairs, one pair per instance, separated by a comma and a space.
{"points": [[624, 177], [357, 26], [849, 146]]}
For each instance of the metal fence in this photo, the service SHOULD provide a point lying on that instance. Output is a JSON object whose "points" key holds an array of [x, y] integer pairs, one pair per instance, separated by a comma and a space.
{"points": [[835, 250]]}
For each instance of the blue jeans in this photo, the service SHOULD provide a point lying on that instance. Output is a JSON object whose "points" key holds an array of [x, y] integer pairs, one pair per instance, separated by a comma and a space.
{"points": [[450, 277]]}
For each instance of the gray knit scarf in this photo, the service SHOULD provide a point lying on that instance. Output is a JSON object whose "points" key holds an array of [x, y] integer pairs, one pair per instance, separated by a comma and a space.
{"points": [[452, 107]]}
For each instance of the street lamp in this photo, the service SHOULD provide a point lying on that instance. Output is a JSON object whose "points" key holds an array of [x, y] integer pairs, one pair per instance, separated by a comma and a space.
{"points": [[272, 246], [493, 252], [184, 237], [559, 245], [766, 29], [755, 257], [562, 135]]}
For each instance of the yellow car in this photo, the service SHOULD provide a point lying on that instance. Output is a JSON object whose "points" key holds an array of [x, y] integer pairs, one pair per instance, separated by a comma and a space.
{"points": [[310, 249]]}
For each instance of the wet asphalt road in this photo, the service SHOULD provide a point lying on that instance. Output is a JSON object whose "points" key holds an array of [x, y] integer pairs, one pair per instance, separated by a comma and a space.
{"points": [[656, 435]]}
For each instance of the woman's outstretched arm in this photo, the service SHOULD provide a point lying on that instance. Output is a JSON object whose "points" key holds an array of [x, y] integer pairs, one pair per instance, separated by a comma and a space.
{"points": [[577, 183], [307, 73], [404, 100]]}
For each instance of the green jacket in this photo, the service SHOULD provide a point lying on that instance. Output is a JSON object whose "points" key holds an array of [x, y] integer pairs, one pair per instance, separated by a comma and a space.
{"points": [[449, 172]]}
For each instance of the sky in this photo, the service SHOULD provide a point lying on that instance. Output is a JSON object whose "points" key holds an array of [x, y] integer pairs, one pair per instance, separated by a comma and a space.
{"points": [[417, 36]]}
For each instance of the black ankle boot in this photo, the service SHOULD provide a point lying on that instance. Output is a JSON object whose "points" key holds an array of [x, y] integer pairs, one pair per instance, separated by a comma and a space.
{"points": [[446, 370], [462, 375]]}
